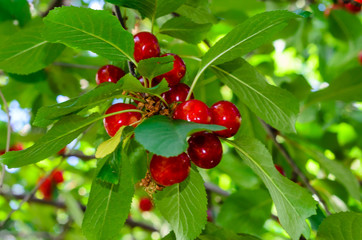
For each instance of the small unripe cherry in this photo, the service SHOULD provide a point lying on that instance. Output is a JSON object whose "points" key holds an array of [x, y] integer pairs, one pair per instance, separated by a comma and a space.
{"points": [[226, 114], [145, 46], [145, 204], [193, 111], [109, 73], [178, 71], [205, 149], [113, 123], [167, 171], [177, 93]]}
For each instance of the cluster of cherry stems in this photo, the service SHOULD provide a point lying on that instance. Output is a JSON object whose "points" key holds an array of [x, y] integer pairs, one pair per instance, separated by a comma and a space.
{"points": [[205, 149]]}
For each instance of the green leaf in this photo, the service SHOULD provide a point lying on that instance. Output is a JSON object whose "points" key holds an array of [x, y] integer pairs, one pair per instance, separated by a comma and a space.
{"points": [[245, 211], [15, 9], [246, 37], [153, 67], [213, 232], [109, 173], [293, 203], [184, 206], [110, 145], [197, 11], [347, 87], [274, 105], [130, 83], [109, 205], [344, 225], [26, 51], [344, 25], [87, 29], [163, 136], [61, 134], [185, 29], [150, 8]]}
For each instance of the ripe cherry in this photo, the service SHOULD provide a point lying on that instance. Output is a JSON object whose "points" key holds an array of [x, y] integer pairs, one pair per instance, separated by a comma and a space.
{"points": [[57, 176], [113, 123], [280, 169], [177, 93], [193, 111], [226, 114], [205, 149], [109, 73], [62, 151], [145, 204], [46, 188], [145, 46], [167, 171], [352, 8], [174, 76]]}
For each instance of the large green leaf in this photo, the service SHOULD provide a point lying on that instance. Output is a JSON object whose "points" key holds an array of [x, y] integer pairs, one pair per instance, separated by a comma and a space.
{"points": [[26, 51], [109, 204], [153, 67], [184, 206], [344, 225], [274, 105], [344, 26], [61, 134], [166, 137], [15, 9], [247, 36], [293, 203], [150, 8], [347, 87], [213, 232], [87, 29], [245, 211], [185, 29], [197, 11]]}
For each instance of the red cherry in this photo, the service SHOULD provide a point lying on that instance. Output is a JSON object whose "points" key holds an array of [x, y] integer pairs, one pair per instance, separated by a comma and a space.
{"points": [[360, 57], [62, 151], [16, 147], [113, 123], [46, 188], [57, 176], [145, 204], [177, 93], [174, 76], [226, 114], [205, 149], [145, 46], [280, 169], [193, 111], [109, 73], [352, 8], [167, 171]]}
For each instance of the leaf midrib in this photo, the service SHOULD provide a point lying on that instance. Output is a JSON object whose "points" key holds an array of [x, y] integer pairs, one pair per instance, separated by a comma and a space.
{"points": [[24, 51], [95, 36], [106, 209]]}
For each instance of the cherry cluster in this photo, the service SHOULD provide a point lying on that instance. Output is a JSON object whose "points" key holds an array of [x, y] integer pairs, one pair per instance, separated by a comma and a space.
{"points": [[205, 149], [353, 6], [49, 184]]}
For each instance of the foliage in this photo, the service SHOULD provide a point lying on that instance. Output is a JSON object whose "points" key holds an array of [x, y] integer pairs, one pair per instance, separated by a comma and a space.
{"points": [[292, 70]]}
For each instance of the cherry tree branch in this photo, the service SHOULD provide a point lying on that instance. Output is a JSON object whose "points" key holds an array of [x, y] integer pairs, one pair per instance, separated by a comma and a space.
{"points": [[273, 134], [8, 135]]}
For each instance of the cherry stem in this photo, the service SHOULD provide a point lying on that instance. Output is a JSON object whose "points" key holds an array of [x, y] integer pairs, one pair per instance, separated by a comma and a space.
{"points": [[8, 135], [119, 16]]}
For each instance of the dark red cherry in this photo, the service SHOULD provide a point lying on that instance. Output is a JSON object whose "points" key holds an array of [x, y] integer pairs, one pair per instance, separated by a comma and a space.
{"points": [[46, 188], [352, 8], [167, 171], [113, 123], [145, 204], [193, 111], [280, 169], [226, 114], [109, 73], [205, 149], [57, 176], [177, 93], [145, 46], [174, 76]]}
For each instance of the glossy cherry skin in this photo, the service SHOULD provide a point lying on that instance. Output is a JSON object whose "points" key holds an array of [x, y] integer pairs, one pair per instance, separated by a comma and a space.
{"points": [[145, 46], [280, 169], [145, 204], [226, 114], [113, 123], [167, 171], [177, 93], [205, 149], [109, 73], [174, 76], [352, 8], [193, 111]]}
